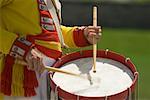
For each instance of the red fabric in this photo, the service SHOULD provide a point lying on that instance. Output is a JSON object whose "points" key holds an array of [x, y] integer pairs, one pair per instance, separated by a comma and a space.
{"points": [[79, 38], [6, 76], [47, 36], [45, 14], [49, 52], [30, 82]]}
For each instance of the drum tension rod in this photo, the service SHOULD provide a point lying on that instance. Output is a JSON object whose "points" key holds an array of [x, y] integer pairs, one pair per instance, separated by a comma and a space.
{"points": [[106, 52], [127, 59]]}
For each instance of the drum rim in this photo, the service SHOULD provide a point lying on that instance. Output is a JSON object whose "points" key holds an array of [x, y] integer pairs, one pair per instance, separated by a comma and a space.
{"points": [[103, 54]]}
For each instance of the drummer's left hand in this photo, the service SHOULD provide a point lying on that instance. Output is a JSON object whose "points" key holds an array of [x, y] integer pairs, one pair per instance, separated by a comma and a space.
{"points": [[92, 32], [34, 60]]}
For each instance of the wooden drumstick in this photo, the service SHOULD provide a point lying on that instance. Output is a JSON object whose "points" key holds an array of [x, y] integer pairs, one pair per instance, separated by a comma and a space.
{"points": [[94, 45], [53, 69]]}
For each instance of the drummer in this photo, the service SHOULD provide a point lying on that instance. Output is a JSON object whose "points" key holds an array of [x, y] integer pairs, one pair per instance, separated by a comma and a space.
{"points": [[30, 30]]}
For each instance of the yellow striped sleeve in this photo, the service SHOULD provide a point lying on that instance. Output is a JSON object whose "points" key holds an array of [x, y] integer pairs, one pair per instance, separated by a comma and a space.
{"points": [[68, 36], [49, 44]]}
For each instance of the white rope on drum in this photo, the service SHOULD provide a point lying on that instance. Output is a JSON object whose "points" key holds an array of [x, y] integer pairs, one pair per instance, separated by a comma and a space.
{"points": [[137, 87], [56, 93], [78, 97], [106, 51], [129, 94], [106, 98]]}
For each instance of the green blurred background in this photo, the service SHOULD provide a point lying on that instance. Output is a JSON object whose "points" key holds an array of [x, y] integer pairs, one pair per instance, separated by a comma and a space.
{"points": [[131, 40]]}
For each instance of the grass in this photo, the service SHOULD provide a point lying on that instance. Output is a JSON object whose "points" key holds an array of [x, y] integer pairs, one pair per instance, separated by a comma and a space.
{"points": [[132, 43]]}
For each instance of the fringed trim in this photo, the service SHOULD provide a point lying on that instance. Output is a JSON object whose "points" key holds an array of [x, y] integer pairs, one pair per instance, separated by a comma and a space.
{"points": [[29, 92], [17, 90], [2, 57], [17, 80], [30, 82], [1, 96], [6, 76]]}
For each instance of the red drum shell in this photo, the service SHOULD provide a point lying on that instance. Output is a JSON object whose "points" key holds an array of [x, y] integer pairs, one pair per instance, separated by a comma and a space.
{"points": [[102, 54]]}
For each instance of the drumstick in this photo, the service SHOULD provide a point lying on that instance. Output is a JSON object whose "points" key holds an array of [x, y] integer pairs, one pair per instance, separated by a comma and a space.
{"points": [[18, 61], [94, 45]]}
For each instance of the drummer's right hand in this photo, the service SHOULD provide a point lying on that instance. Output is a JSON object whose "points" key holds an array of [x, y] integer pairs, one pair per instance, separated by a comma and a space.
{"points": [[34, 60]]}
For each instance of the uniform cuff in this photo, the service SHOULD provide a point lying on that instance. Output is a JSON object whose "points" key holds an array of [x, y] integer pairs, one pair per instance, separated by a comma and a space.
{"points": [[20, 48], [79, 38]]}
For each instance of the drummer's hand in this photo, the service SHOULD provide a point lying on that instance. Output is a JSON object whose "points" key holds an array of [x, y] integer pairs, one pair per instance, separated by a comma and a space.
{"points": [[34, 60], [91, 33]]}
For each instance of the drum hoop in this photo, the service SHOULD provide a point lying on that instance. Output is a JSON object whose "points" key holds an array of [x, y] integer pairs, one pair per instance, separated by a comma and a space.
{"points": [[103, 54]]}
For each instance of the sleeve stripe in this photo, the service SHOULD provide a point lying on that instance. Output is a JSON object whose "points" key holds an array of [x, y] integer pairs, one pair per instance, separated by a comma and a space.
{"points": [[51, 45], [79, 38]]}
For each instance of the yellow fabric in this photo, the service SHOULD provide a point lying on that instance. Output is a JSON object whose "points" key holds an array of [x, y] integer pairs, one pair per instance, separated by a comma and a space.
{"points": [[6, 40], [50, 45], [1, 62], [4, 2], [1, 96], [17, 19], [68, 36], [17, 80]]}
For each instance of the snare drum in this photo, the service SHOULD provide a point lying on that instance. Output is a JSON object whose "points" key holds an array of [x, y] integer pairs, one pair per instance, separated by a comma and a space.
{"points": [[115, 77]]}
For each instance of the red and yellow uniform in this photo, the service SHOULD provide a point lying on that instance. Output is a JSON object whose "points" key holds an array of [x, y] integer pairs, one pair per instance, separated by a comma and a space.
{"points": [[21, 18]]}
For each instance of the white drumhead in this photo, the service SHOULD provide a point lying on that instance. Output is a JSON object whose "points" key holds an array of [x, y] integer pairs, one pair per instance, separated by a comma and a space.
{"points": [[111, 77]]}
